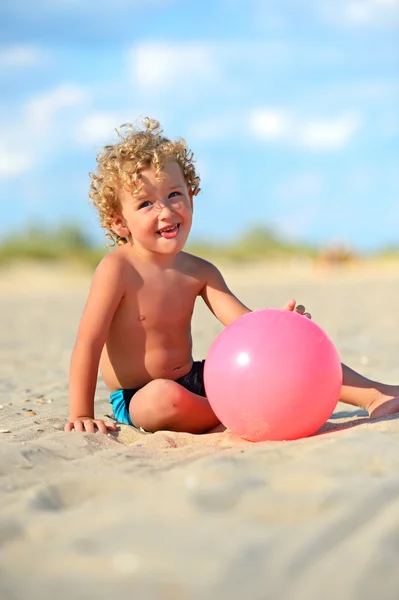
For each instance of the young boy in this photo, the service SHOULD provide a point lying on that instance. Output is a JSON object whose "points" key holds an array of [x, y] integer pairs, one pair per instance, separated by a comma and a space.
{"points": [[136, 325]]}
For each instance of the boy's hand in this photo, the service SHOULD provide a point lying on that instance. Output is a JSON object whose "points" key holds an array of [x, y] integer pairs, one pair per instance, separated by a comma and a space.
{"points": [[90, 425], [292, 306]]}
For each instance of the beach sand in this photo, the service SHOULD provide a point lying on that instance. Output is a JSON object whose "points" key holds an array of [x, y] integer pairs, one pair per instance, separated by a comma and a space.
{"points": [[176, 516]]}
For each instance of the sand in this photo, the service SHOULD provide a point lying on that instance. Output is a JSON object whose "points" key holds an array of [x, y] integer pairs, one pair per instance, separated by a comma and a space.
{"points": [[178, 516]]}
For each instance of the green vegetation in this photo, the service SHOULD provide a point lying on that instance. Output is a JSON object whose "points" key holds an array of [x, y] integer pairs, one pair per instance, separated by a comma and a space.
{"points": [[68, 243], [255, 244]]}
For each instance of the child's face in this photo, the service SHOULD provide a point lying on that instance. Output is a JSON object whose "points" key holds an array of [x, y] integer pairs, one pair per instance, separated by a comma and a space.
{"points": [[158, 215]]}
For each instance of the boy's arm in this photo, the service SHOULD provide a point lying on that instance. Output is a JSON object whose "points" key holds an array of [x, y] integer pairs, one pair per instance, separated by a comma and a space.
{"points": [[106, 292], [219, 298], [223, 303]]}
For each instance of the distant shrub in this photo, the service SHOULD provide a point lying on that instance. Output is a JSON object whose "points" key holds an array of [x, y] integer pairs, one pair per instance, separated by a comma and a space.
{"points": [[255, 244], [64, 243], [68, 242]]}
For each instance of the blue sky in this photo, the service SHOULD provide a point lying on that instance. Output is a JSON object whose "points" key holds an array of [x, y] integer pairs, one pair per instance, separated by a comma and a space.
{"points": [[291, 108]]}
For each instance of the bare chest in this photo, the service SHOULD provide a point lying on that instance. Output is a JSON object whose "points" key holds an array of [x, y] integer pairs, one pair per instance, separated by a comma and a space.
{"points": [[160, 301]]}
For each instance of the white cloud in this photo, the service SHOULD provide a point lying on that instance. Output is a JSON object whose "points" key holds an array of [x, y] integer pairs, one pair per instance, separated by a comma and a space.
{"points": [[37, 128], [21, 56], [315, 134], [179, 69], [272, 125], [328, 134], [97, 127], [360, 12], [277, 16], [13, 162], [42, 109], [266, 124], [269, 124], [173, 69]]}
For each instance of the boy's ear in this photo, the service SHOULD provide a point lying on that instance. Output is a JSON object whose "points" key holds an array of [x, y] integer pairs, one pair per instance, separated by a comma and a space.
{"points": [[119, 227]]}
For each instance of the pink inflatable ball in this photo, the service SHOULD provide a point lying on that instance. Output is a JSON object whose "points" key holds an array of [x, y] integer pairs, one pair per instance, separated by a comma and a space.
{"points": [[273, 375]]}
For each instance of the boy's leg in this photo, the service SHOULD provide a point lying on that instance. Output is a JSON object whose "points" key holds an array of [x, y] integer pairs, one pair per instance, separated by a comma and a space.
{"points": [[165, 404], [377, 398]]}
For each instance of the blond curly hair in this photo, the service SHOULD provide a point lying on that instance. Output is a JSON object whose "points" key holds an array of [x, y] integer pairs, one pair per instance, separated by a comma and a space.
{"points": [[121, 164]]}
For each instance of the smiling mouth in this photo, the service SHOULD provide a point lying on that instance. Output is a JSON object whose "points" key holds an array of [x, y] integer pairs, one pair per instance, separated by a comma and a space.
{"points": [[169, 231]]}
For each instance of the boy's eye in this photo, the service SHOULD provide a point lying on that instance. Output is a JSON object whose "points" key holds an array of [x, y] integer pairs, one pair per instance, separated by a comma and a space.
{"points": [[145, 204], [174, 194]]}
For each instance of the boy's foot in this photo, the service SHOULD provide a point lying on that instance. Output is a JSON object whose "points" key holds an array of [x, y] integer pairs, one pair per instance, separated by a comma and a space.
{"points": [[386, 403]]}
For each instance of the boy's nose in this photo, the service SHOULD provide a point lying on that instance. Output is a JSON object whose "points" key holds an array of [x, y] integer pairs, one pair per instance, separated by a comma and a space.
{"points": [[163, 207]]}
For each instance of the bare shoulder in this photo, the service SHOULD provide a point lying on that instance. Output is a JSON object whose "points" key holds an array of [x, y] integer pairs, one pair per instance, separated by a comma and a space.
{"points": [[113, 260], [115, 269], [200, 267], [207, 274]]}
